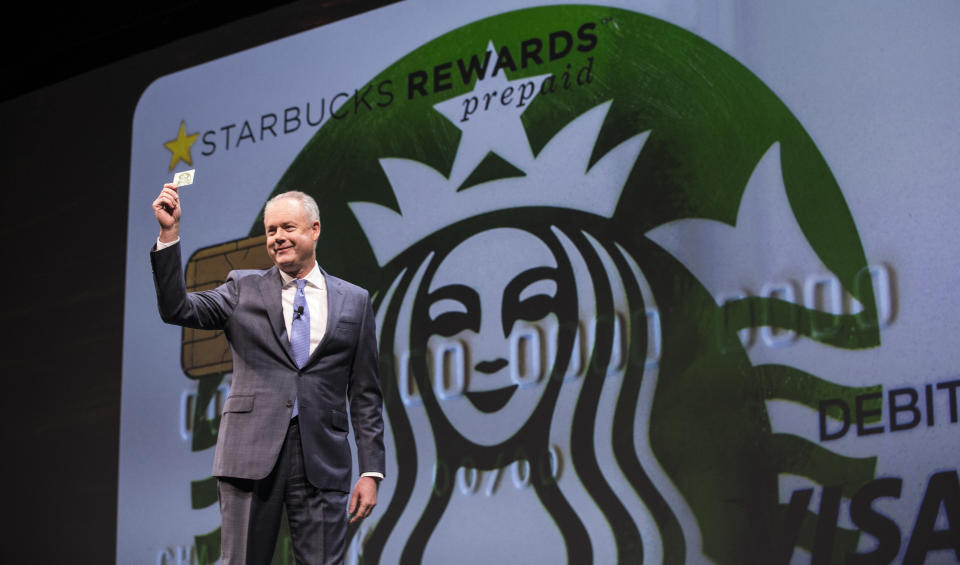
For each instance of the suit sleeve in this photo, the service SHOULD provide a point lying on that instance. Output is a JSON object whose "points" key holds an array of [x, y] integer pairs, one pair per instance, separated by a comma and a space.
{"points": [[209, 309], [366, 400]]}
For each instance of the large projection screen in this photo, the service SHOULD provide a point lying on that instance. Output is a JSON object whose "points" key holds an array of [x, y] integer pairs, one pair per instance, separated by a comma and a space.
{"points": [[658, 282]]}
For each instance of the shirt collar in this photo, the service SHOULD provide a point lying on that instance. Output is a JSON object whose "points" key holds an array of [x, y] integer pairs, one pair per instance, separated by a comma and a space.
{"points": [[314, 277]]}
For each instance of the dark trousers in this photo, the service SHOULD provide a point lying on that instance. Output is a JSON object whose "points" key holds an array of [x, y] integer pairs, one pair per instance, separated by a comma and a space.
{"points": [[250, 512]]}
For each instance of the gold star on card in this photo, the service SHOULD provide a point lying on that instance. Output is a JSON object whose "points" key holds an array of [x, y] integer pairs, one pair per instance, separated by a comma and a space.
{"points": [[180, 146]]}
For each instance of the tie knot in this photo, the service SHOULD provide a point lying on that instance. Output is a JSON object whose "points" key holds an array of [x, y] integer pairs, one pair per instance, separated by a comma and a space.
{"points": [[300, 284]]}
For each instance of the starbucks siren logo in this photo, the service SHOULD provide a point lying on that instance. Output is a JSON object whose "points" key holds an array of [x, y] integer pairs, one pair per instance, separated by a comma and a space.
{"points": [[561, 384], [502, 313]]}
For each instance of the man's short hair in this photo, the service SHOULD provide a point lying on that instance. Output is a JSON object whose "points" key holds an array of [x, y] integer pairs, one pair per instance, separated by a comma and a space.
{"points": [[307, 201]]}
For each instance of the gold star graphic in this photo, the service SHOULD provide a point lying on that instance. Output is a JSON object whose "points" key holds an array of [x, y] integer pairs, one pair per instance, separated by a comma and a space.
{"points": [[180, 147]]}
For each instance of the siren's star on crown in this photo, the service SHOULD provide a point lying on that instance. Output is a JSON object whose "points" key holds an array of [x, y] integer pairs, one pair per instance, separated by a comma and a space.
{"points": [[494, 126]]}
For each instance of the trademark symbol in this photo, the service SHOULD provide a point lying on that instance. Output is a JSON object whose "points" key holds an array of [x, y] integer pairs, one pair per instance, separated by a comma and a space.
{"points": [[606, 21]]}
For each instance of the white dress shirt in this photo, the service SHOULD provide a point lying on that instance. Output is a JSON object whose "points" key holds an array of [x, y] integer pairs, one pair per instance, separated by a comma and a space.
{"points": [[316, 292]]}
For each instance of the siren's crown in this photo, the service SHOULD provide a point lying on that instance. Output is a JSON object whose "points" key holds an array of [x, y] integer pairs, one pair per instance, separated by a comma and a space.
{"points": [[558, 177]]}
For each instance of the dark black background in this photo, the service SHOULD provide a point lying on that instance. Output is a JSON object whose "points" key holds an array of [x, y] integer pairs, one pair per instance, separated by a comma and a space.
{"points": [[72, 76]]}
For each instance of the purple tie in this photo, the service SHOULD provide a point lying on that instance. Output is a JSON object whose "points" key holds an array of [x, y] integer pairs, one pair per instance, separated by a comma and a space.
{"points": [[300, 331]]}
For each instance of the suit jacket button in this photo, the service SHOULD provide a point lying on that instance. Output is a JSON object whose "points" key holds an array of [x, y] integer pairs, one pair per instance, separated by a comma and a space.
{"points": [[289, 404]]}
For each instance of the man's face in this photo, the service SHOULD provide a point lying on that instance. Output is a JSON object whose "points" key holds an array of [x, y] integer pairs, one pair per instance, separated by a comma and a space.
{"points": [[291, 236]]}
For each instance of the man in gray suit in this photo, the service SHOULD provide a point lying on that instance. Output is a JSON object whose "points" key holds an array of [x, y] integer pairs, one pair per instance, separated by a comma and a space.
{"points": [[303, 343]]}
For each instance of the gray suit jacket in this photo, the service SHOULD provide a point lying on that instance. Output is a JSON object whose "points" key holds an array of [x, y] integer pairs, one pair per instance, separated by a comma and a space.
{"points": [[266, 379]]}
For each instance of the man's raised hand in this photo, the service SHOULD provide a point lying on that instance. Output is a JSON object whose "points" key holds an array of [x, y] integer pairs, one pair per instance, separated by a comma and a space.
{"points": [[167, 210]]}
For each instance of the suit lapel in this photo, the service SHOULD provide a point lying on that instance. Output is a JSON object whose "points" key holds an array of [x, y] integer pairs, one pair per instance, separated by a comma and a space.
{"points": [[334, 306], [270, 288]]}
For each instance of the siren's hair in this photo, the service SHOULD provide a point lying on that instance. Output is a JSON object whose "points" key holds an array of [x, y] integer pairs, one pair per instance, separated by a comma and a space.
{"points": [[595, 479]]}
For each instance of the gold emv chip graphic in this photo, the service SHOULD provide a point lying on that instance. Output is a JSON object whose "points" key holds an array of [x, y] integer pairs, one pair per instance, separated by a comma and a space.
{"points": [[206, 352]]}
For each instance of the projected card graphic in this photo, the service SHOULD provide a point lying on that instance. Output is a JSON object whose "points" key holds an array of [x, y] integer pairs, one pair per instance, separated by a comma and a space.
{"points": [[628, 307]]}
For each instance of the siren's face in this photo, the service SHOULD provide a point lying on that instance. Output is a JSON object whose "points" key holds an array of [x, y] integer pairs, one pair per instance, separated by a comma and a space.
{"points": [[492, 314]]}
